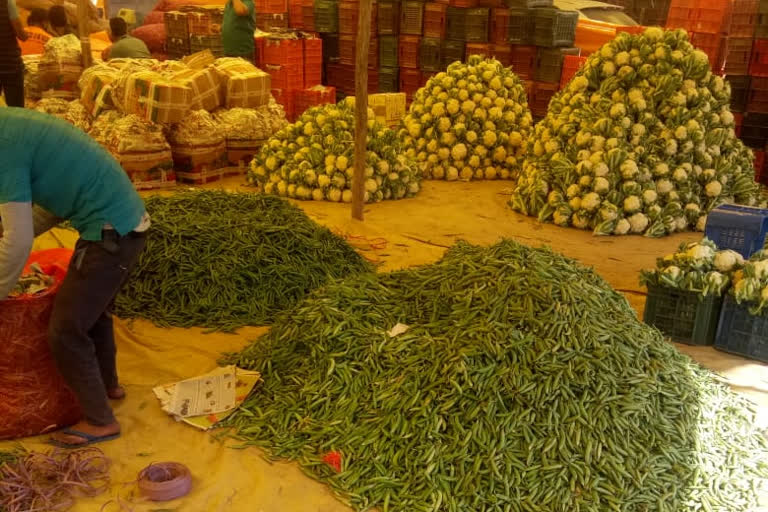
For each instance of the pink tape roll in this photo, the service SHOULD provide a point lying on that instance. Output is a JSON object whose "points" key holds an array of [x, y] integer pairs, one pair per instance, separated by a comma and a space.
{"points": [[164, 481]]}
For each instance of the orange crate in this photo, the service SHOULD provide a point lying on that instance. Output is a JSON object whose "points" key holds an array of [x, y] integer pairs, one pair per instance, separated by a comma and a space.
{"points": [[308, 15], [709, 44], [500, 25], [524, 60], [271, 6], [348, 15], [759, 59], [408, 52], [571, 65], [742, 18], [542, 93], [295, 14], [347, 49], [434, 20], [258, 49], [313, 96], [490, 3], [462, 3], [478, 49], [410, 81], [286, 99], [708, 19], [373, 81], [313, 62], [680, 17], [286, 77], [502, 53], [735, 55], [282, 51]]}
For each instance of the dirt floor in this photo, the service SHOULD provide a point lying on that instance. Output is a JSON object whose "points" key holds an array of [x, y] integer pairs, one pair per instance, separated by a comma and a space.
{"points": [[396, 234]]}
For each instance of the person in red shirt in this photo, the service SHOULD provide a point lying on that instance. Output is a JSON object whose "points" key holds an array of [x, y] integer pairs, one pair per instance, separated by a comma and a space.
{"points": [[36, 34]]}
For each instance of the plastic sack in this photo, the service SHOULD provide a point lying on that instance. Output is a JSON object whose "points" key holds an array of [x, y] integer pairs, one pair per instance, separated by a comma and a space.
{"points": [[33, 396]]}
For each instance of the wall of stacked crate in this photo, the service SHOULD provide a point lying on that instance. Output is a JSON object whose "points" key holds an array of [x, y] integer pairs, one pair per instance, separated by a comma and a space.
{"points": [[734, 34], [412, 40]]}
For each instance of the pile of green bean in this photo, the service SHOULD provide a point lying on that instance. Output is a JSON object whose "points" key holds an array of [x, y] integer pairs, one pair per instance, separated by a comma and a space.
{"points": [[220, 260], [525, 383]]}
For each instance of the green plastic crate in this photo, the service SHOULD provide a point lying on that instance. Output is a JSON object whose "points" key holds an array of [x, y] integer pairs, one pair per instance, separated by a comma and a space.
{"points": [[326, 16], [388, 48], [388, 80], [455, 26], [452, 51], [477, 24], [430, 50], [684, 317], [520, 26], [388, 18], [553, 27], [549, 63], [411, 17]]}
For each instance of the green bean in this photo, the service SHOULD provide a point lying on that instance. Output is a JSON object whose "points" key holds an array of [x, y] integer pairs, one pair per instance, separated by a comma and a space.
{"points": [[524, 383]]}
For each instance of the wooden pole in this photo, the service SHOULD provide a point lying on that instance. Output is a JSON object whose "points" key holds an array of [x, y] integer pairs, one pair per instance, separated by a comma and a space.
{"points": [[83, 29], [361, 108]]}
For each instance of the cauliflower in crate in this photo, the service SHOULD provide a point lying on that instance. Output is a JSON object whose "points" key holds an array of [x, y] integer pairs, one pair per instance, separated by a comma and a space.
{"points": [[313, 159], [647, 127], [750, 284], [469, 122], [696, 267]]}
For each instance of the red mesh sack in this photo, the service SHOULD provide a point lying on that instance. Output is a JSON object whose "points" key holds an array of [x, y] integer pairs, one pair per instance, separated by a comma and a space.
{"points": [[153, 18], [33, 396], [152, 35]]}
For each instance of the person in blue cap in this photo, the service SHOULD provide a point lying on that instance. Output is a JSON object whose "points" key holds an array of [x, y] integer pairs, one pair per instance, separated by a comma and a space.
{"points": [[51, 171]]}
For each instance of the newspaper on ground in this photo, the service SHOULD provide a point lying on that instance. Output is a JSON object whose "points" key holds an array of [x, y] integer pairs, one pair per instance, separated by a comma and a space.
{"points": [[204, 401]]}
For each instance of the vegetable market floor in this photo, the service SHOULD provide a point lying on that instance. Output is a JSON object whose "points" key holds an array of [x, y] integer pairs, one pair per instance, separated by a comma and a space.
{"points": [[416, 231]]}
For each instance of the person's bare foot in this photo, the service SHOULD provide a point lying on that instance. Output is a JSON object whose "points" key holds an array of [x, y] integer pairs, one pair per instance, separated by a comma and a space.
{"points": [[70, 437], [117, 393]]}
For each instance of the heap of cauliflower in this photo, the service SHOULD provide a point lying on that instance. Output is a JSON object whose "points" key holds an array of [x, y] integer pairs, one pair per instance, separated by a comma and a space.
{"points": [[469, 122], [641, 140], [313, 159], [696, 267]]}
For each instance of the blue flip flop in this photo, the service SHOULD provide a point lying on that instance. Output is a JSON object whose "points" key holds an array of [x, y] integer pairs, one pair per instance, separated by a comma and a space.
{"points": [[89, 439]]}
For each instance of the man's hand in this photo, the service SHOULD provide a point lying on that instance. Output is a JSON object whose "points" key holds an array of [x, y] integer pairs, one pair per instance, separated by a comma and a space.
{"points": [[240, 8]]}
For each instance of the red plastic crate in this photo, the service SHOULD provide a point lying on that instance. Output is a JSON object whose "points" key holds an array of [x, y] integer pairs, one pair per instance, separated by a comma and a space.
{"points": [[286, 99], [408, 52], [529, 85], [282, 51], [735, 55], [499, 25], [313, 62], [347, 50], [349, 15], [478, 49], [680, 15], [310, 97], [271, 6], [759, 62], [542, 93], [738, 120], [742, 18], [571, 65], [709, 19], [308, 15], [463, 3], [341, 76], [758, 95], [490, 3], [286, 77], [709, 44], [258, 48], [502, 53], [524, 60], [761, 171], [410, 81], [373, 53], [373, 81], [295, 14], [434, 20]]}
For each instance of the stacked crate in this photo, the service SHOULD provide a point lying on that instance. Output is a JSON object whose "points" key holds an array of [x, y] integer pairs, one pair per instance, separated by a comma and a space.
{"points": [[272, 15], [176, 34], [204, 25], [340, 50]]}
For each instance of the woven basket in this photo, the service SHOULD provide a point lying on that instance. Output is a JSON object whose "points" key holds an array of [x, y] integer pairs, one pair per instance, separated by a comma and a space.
{"points": [[33, 396]]}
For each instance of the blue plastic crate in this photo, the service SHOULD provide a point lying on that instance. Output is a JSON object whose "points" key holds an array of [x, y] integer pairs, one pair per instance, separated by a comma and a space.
{"points": [[683, 316], [740, 228], [741, 332]]}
